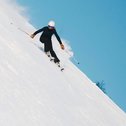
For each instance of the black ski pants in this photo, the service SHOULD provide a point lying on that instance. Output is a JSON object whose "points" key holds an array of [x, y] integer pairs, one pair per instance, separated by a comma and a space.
{"points": [[49, 48]]}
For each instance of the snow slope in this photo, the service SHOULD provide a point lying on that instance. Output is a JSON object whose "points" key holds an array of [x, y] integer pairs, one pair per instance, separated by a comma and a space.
{"points": [[34, 92]]}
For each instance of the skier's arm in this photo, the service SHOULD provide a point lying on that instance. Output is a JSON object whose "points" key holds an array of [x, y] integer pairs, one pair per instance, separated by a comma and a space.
{"points": [[36, 32], [58, 38]]}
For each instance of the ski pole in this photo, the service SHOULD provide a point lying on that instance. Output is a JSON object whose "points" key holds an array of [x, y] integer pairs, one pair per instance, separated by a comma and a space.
{"points": [[21, 29], [24, 31], [72, 56]]}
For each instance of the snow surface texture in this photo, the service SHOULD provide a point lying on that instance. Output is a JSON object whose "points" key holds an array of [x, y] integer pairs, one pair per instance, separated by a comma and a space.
{"points": [[34, 92]]}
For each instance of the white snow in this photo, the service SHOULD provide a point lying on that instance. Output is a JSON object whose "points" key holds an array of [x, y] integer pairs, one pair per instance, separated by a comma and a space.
{"points": [[34, 92]]}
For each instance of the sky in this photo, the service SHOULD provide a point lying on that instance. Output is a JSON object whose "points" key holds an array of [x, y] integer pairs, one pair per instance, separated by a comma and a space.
{"points": [[96, 32]]}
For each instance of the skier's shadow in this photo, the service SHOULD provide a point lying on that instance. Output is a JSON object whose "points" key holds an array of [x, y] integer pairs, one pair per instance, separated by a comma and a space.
{"points": [[39, 47]]}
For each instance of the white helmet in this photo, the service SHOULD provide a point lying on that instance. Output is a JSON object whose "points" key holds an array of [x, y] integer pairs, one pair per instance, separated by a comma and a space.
{"points": [[51, 23]]}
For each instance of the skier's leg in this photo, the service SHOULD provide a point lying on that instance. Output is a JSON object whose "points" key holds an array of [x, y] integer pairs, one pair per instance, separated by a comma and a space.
{"points": [[53, 54], [46, 49]]}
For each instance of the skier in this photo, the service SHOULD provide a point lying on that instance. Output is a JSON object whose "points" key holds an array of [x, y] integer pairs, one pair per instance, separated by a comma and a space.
{"points": [[45, 38]]}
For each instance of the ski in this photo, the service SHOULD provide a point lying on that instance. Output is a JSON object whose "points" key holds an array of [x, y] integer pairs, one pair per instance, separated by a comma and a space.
{"points": [[57, 64], [52, 60]]}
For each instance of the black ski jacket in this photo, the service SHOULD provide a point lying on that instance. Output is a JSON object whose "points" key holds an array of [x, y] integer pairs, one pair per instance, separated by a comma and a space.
{"points": [[47, 34]]}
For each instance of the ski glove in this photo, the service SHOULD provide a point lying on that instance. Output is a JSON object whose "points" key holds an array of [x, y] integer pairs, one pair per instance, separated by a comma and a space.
{"points": [[62, 46], [32, 35]]}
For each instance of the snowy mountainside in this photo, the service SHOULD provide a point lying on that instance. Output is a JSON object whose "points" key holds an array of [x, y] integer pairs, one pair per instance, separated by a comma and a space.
{"points": [[34, 92]]}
